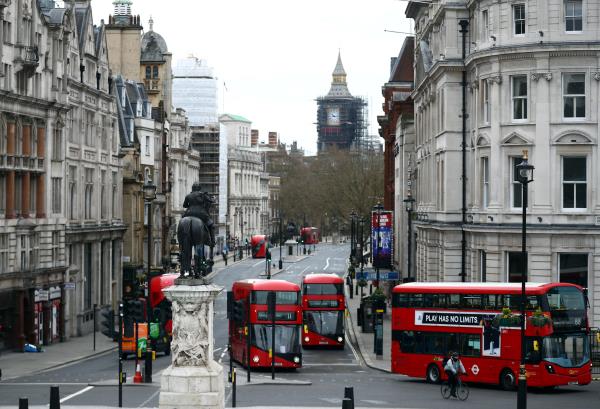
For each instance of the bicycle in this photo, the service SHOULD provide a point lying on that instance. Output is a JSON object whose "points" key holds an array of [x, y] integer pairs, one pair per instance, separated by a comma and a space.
{"points": [[462, 389]]}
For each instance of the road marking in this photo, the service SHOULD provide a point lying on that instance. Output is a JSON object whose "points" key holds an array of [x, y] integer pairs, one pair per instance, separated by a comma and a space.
{"points": [[217, 349], [307, 267], [260, 262], [327, 264], [84, 390], [149, 399]]}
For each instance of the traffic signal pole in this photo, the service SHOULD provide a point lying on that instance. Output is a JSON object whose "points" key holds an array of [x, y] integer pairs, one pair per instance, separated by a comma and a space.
{"points": [[120, 354]]}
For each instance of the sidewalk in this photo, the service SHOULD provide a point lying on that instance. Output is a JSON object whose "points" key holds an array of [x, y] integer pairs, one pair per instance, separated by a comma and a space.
{"points": [[364, 342], [17, 364]]}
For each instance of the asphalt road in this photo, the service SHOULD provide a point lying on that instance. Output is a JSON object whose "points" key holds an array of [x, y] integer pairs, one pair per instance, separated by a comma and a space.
{"points": [[319, 383]]}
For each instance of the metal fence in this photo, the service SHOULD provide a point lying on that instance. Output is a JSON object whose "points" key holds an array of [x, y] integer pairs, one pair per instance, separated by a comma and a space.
{"points": [[595, 348]]}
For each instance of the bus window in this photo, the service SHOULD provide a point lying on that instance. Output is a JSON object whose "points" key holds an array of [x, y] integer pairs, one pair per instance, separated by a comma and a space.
{"points": [[454, 301], [489, 302], [416, 300], [400, 300], [471, 345], [472, 301], [407, 341], [323, 289], [283, 297]]}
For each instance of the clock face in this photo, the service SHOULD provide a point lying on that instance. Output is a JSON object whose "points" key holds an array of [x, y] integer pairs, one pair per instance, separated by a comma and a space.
{"points": [[333, 116]]}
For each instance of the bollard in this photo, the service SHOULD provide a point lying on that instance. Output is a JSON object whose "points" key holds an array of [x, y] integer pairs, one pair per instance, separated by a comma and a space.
{"points": [[148, 366], [233, 385], [23, 403], [347, 404], [54, 398], [349, 394]]}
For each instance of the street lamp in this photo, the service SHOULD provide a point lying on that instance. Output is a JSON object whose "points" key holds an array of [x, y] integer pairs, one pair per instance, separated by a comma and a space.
{"points": [[409, 205], [525, 176], [280, 240], [149, 191], [352, 235], [378, 208]]}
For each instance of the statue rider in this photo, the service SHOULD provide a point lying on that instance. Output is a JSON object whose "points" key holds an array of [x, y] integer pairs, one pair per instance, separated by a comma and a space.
{"points": [[198, 204]]}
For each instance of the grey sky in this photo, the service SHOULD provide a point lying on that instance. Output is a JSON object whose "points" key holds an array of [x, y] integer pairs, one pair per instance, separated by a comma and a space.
{"points": [[277, 56]]}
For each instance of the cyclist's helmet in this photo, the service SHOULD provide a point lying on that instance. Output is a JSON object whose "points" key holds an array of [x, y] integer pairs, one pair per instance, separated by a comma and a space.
{"points": [[455, 355]]}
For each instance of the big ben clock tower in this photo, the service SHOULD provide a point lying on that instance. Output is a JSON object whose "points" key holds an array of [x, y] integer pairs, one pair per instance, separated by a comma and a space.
{"points": [[341, 118]]}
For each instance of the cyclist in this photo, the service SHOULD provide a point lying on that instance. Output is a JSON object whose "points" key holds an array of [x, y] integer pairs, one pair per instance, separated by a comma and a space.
{"points": [[453, 368]]}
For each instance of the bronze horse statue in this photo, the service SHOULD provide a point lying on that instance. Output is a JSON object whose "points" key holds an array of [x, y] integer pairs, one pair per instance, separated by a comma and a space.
{"points": [[191, 233]]}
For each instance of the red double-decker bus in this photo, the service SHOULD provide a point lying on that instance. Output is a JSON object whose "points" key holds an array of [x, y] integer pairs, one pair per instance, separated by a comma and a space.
{"points": [[310, 235], [250, 328], [481, 321], [259, 244], [323, 307]]}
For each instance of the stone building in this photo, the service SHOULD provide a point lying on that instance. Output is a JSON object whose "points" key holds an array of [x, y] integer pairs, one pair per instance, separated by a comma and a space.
{"points": [[60, 220], [532, 82], [397, 131], [246, 179], [92, 175]]}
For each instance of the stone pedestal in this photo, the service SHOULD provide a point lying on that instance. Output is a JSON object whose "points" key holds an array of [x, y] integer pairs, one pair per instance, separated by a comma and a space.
{"points": [[194, 379]]}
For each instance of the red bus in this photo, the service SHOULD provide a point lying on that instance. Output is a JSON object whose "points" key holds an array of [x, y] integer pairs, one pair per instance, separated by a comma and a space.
{"points": [[310, 235], [323, 307], [250, 329], [259, 244], [481, 322]]}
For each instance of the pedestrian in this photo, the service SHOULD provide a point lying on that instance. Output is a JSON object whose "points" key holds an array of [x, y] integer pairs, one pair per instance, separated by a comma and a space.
{"points": [[225, 254]]}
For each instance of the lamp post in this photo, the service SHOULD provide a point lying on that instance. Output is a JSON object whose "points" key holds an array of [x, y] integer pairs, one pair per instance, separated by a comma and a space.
{"points": [[409, 204], [378, 208], [525, 176], [352, 235], [280, 240], [149, 190]]}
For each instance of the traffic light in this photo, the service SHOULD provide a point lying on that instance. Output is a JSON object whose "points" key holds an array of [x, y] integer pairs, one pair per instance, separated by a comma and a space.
{"points": [[135, 310], [108, 322]]}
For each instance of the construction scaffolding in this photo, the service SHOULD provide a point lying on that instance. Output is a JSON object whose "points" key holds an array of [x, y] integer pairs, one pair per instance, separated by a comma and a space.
{"points": [[349, 131]]}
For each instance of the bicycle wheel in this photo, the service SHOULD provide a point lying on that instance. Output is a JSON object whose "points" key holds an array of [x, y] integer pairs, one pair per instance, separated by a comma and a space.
{"points": [[445, 389], [462, 391]]}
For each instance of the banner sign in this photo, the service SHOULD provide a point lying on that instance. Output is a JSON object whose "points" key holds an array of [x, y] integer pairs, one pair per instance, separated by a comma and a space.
{"points": [[383, 275], [382, 235], [451, 318]]}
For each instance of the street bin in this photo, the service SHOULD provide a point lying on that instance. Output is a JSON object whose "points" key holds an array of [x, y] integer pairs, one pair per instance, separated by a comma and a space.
{"points": [[367, 316]]}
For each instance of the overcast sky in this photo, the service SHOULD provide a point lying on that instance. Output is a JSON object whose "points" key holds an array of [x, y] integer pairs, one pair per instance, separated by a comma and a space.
{"points": [[277, 56]]}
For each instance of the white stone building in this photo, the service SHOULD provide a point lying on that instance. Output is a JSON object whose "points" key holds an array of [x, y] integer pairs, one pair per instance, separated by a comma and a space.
{"points": [[246, 179], [532, 83]]}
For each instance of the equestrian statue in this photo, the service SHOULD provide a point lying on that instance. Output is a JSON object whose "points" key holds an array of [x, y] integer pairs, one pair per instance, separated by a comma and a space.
{"points": [[195, 229]]}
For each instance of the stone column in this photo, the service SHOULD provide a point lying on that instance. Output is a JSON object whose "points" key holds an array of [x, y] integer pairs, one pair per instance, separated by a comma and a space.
{"points": [[10, 195], [41, 142], [55, 61], [26, 149], [194, 379], [65, 66], [1, 39], [10, 142]]}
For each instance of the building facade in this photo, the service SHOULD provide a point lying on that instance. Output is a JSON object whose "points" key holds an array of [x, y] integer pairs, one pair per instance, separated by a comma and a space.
{"points": [[531, 84], [195, 90], [246, 182]]}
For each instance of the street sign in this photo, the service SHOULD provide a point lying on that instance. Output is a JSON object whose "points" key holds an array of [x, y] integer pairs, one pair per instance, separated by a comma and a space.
{"points": [[383, 275], [69, 285]]}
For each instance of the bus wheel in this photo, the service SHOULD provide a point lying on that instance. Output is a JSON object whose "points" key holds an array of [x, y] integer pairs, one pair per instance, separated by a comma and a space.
{"points": [[507, 379], [433, 373]]}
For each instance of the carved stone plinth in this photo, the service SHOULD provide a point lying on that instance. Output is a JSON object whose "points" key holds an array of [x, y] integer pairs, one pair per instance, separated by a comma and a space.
{"points": [[194, 379]]}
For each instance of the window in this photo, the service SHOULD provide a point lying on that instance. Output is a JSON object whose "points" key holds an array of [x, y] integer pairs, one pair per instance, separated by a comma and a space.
{"points": [[57, 144], [573, 268], [519, 97], [89, 128], [483, 266], [56, 248], [573, 16], [148, 72], [23, 243], [574, 195], [574, 95], [4, 253], [485, 96], [87, 276], [115, 193], [2, 193], [155, 71], [56, 195], [103, 209], [32, 195], [89, 192], [485, 182], [515, 265], [147, 152], [18, 194], [519, 19], [485, 26], [516, 187], [7, 31], [72, 192]]}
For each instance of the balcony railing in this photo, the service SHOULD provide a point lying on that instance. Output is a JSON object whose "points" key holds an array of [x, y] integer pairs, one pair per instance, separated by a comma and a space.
{"points": [[28, 60], [152, 85]]}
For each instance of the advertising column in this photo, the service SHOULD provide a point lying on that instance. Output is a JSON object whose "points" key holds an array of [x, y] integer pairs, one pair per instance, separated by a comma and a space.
{"points": [[382, 238]]}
